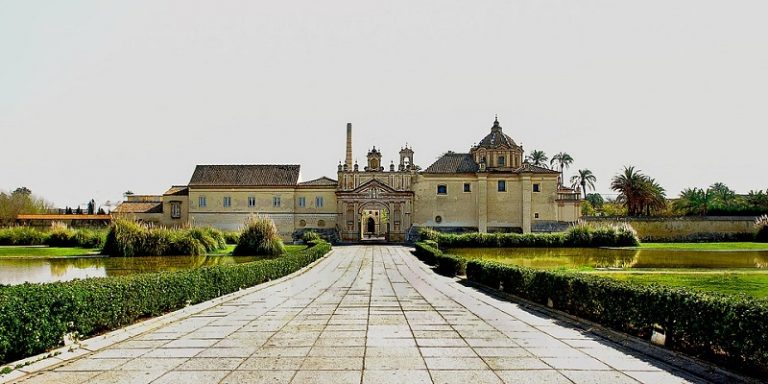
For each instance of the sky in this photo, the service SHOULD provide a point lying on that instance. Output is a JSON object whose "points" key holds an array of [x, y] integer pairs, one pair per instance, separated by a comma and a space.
{"points": [[101, 97]]}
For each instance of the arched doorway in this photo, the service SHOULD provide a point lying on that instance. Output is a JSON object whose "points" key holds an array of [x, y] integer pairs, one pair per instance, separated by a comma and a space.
{"points": [[374, 222]]}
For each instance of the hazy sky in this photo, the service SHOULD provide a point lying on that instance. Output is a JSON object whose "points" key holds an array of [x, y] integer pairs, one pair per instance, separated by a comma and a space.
{"points": [[100, 97]]}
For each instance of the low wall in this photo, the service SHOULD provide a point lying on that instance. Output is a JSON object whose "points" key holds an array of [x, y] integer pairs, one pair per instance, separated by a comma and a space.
{"points": [[706, 228]]}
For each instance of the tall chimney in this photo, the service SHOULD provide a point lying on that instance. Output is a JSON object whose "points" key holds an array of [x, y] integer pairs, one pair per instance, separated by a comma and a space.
{"points": [[348, 161]]}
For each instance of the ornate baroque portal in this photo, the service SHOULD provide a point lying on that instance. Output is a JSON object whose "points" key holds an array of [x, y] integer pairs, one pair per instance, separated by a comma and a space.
{"points": [[374, 211]]}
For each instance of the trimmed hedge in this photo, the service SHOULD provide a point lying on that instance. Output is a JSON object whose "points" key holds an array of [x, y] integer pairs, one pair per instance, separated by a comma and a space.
{"points": [[448, 265], [722, 329], [58, 236], [35, 317], [580, 235]]}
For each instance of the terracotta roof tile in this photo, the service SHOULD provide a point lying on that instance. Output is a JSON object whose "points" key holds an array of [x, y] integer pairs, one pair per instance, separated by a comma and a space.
{"points": [[323, 181], [139, 207], [177, 190], [453, 163], [245, 175]]}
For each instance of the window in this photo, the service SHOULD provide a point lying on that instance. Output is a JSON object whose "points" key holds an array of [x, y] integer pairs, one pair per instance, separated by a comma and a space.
{"points": [[438, 219], [227, 201], [321, 223], [536, 188], [319, 201], [276, 201], [501, 161], [502, 185], [202, 202], [536, 215], [442, 189], [302, 223], [467, 187], [175, 210], [251, 201], [302, 202]]}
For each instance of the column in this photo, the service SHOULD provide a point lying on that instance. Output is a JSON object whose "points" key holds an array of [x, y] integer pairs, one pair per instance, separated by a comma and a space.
{"points": [[482, 202]]}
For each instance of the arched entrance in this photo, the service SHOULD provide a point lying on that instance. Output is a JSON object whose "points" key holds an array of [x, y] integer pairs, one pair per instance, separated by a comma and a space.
{"points": [[374, 222]]}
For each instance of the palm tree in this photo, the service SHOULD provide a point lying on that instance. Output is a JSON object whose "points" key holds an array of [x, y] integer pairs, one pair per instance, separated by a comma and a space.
{"points": [[537, 158], [584, 178], [638, 192], [694, 201], [563, 160], [722, 196]]}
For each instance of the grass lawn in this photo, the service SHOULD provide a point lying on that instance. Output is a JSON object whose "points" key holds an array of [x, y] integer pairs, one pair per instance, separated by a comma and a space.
{"points": [[706, 246], [749, 283], [46, 251]]}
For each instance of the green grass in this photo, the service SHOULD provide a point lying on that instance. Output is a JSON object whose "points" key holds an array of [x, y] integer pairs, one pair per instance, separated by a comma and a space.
{"points": [[705, 246], [45, 251], [751, 284]]}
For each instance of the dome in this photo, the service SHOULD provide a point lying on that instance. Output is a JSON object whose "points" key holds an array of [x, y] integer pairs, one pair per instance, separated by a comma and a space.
{"points": [[496, 138]]}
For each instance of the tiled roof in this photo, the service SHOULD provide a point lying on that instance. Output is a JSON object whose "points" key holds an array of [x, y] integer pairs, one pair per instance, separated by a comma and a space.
{"points": [[177, 190], [453, 163], [496, 138], [245, 175], [323, 181], [139, 207], [530, 168]]}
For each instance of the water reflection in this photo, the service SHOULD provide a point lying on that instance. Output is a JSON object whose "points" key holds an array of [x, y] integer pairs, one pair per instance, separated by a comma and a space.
{"points": [[553, 258], [19, 270]]}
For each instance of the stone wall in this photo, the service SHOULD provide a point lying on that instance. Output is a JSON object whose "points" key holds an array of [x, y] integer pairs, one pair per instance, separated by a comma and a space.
{"points": [[708, 228]]}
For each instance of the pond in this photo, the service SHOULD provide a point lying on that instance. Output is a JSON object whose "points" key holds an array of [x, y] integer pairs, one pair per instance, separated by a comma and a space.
{"points": [[18, 270], [586, 258]]}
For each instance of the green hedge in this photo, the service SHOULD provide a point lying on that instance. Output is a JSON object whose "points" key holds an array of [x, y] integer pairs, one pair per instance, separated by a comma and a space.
{"points": [[35, 317], [725, 330], [448, 265], [580, 235], [59, 236]]}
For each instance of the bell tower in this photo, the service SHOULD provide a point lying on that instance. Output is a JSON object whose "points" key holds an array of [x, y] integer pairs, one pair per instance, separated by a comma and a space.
{"points": [[406, 158], [374, 161]]}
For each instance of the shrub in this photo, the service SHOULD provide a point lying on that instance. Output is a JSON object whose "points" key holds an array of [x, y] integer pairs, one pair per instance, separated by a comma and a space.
{"points": [[427, 253], [231, 237], [309, 236], [35, 317], [22, 236], [761, 229], [61, 236], [130, 238], [428, 234], [260, 238], [450, 265], [715, 327]]}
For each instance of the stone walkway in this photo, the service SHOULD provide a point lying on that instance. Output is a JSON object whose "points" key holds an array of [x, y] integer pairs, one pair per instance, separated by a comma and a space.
{"points": [[363, 315]]}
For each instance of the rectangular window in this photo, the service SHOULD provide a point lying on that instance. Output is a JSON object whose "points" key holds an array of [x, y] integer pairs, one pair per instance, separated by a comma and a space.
{"points": [[536, 188], [302, 202], [536, 215], [467, 187], [442, 189], [175, 210], [227, 201], [502, 185], [501, 161], [319, 201], [251, 201], [202, 202], [276, 201]]}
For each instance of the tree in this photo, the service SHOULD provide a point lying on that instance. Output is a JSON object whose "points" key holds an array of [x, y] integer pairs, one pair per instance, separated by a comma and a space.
{"points": [[128, 193], [91, 207], [78, 211], [723, 198], [563, 160], [537, 158], [595, 199], [639, 193], [694, 201], [20, 201], [585, 179]]}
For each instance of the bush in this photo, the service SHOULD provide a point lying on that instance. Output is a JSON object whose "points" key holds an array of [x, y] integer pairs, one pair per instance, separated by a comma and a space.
{"points": [[309, 236], [231, 237], [714, 327], [22, 236], [130, 238], [580, 235], [427, 253], [61, 236], [35, 317], [761, 232], [450, 265], [260, 238]]}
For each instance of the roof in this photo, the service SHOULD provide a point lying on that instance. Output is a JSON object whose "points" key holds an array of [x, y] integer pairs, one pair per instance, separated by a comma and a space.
{"points": [[139, 207], [245, 175], [453, 163], [496, 138], [62, 217], [530, 168], [177, 190], [323, 181]]}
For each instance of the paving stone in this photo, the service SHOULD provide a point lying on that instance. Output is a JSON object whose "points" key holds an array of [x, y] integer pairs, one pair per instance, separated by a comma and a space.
{"points": [[332, 363], [126, 377], [390, 362], [455, 363], [598, 377], [463, 377], [396, 377], [533, 377], [175, 377], [59, 378], [272, 363], [211, 364], [93, 365], [261, 377], [327, 377]]}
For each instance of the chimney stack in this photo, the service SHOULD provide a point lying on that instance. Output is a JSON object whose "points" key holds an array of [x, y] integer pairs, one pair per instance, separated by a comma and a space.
{"points": [[348, 161]]}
